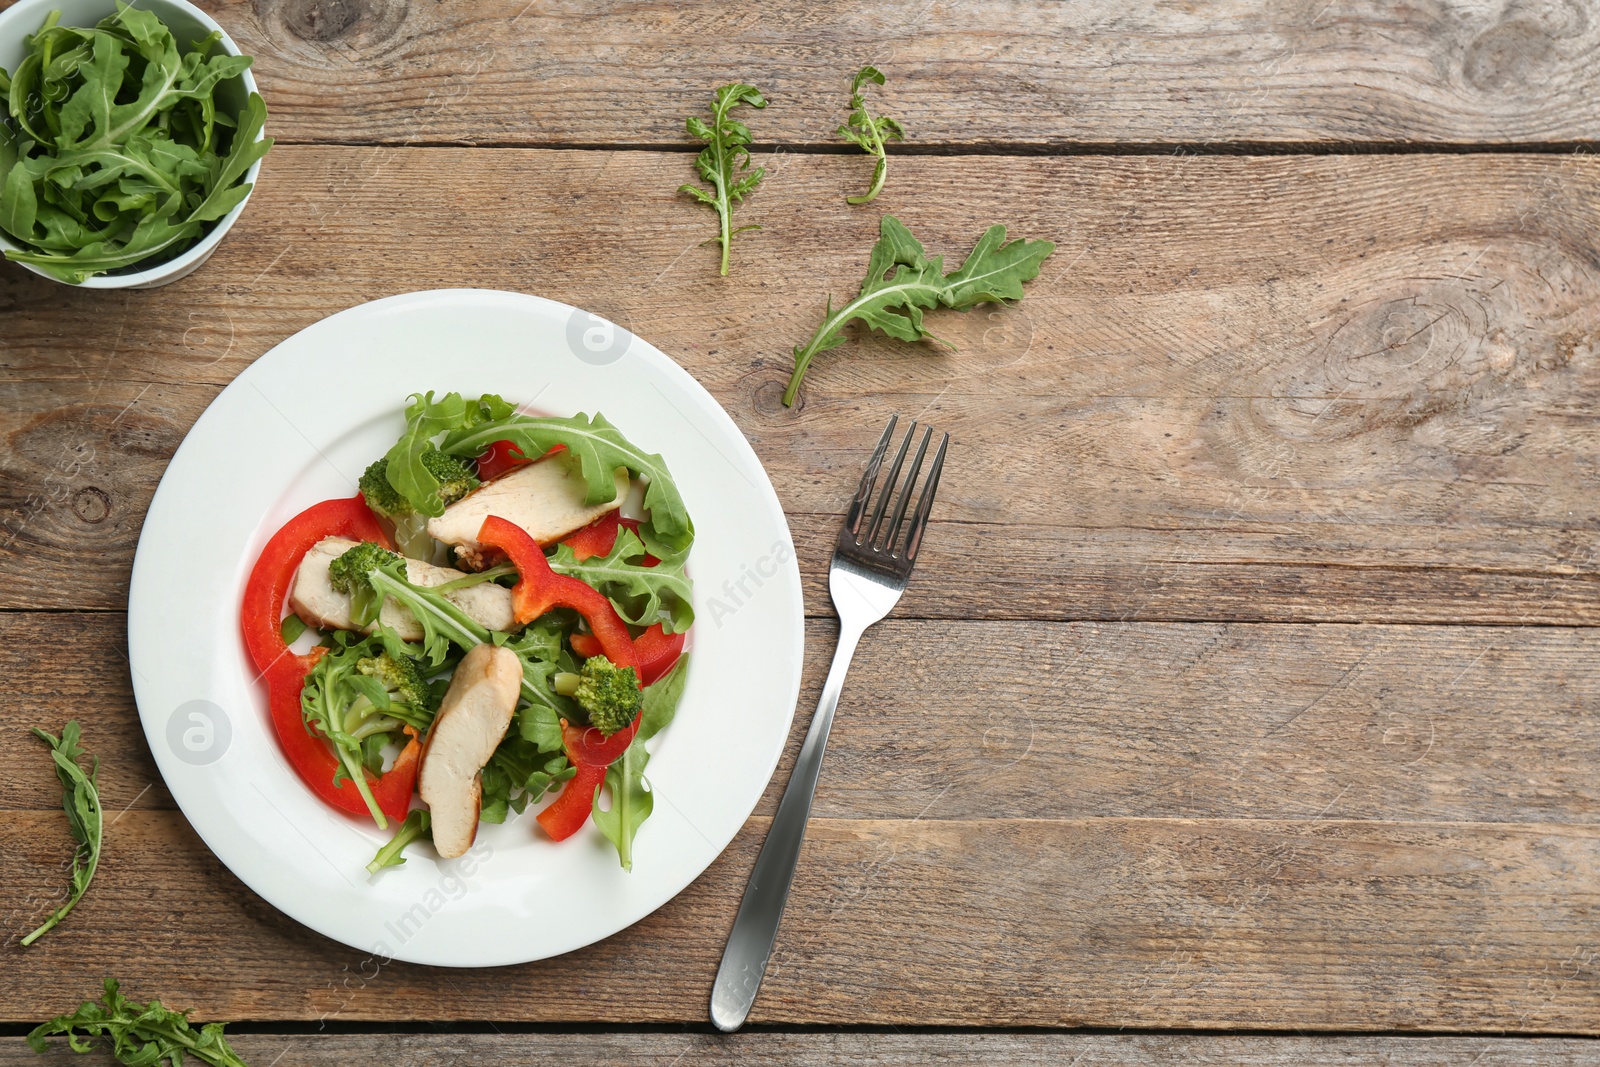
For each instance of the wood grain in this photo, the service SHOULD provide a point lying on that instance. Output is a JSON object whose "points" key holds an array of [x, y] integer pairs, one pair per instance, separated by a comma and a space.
{"points": [[962, 73], [972, 720], [1254, 923], [1229, 396], [1136, 825], [880, 1050]]}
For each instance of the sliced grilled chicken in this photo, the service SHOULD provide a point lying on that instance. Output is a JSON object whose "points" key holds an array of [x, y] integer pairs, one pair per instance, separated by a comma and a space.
{"points": [[472, 719], [315, 600], [545, 498]]}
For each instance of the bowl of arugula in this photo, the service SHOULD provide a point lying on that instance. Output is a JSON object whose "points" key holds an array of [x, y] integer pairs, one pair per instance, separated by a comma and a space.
{"points": [[130, 140]]}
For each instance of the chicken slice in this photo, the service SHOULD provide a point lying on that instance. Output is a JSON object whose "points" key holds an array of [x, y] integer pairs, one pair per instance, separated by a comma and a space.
{"points": [[545, 498], [315, 600], [472, 719]]}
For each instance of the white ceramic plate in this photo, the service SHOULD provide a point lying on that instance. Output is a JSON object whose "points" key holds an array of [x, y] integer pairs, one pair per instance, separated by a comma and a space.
{"points": [[299, 426]]}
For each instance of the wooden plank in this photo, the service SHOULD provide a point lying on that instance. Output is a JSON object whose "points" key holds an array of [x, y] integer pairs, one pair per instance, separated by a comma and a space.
{"points": [[1230, 395], [962, 73], [953, 720], [1250, 923], [880, 1050]]}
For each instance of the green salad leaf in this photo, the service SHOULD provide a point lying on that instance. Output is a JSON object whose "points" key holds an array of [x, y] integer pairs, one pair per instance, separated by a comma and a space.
{"points": [[426, 418], [417, 824], [902, 280], [630, 795], [599, 449], [80, 798], [661, 699], [642, 595], [724, 164], [519, 774], [113, 151], [140, 1035], [870, 132], [631, 801]]}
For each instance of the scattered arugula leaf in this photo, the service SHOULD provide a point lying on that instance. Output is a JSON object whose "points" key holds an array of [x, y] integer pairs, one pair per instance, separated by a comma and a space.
{"points": [[631, 801], [870, 132], [113, 151], [417, 824], [141, 1035], [902, 280], [80, 798], [724, 163], [642, 595]]}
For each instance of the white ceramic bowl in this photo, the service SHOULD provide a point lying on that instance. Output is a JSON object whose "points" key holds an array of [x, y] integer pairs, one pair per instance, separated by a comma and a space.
{"points": [[188, 23]]}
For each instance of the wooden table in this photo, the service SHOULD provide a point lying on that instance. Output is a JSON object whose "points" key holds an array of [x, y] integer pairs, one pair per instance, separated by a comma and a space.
{"points": [[1249, 681]]}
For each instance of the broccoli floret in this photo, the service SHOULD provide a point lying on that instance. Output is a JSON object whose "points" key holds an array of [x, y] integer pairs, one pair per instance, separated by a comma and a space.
{"points": [[348, 574], [382, 497], [400, 677], [456, 480], [610, 694]]}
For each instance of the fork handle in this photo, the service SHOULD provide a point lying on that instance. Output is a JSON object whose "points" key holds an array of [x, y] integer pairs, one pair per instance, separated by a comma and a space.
{"points": [[744, 961]]}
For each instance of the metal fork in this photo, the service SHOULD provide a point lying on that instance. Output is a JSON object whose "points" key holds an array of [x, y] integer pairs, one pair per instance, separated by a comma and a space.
{"points": [[871, 565]]}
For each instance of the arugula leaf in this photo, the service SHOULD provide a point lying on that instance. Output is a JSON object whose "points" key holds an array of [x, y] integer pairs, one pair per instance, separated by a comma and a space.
{"points": [[80, 798], [426, 419], [640, 594], [518, 774], [112, 150], [540, 724], [599, 449], [902, 280], [631, 798], [870, 132], [724, 163], [417, 824], [141, 1035], [631, 801], [661, 699]]}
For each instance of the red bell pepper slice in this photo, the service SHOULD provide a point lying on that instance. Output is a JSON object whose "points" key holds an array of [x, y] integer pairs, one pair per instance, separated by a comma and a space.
{"points": [[595, 539], [600, 537], [268, 586], [567, 813], [587, 746], [591, 752], [539, 589], [656, 651], [502, 458], [285, 672]]}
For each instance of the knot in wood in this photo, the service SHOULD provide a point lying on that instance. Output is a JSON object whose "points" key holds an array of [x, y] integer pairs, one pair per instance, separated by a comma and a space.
{"points": [[317, 20]]}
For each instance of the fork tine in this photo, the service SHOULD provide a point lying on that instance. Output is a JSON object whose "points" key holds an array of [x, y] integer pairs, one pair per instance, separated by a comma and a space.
{"points": [[871, 537], [858, 503], [919, 521], [893, 534]]}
